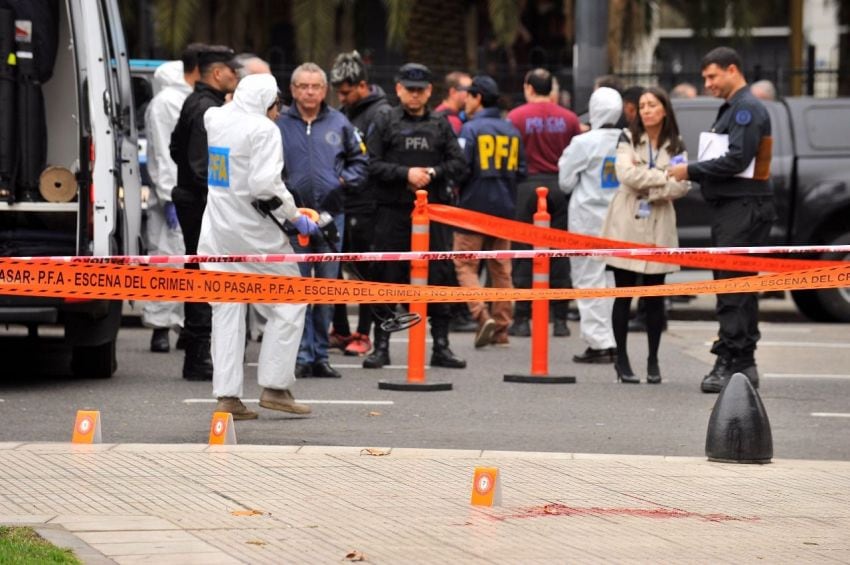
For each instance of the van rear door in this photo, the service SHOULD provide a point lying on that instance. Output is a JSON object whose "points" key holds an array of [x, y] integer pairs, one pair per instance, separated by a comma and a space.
{"points": [[98, 86], [126, 138]]}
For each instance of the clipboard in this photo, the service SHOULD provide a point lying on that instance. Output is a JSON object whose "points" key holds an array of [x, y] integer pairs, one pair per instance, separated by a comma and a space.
{"points": [[715, 145]]}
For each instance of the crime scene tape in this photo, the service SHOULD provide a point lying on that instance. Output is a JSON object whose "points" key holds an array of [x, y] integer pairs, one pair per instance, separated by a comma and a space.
{"points": [[636, 252], [559, 239], [106, 281]]}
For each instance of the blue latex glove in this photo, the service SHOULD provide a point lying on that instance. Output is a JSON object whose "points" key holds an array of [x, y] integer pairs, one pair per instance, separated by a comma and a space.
{"points": [[171, 216], [305, 225]]}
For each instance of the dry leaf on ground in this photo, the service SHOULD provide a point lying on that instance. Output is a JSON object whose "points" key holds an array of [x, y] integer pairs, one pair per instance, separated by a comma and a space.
{"points": [[249, 512], [374, 451], [256, 542], [374, 413], [355, 555]]}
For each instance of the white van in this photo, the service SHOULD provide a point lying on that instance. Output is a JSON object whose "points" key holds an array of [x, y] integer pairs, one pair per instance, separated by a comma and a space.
{"points": [[89, 201]]}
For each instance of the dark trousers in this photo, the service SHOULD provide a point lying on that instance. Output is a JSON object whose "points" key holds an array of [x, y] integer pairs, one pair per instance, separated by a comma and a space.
{"points": [[197, 325], [392, 233], [742, 221], [357, 238], [559, 268]]}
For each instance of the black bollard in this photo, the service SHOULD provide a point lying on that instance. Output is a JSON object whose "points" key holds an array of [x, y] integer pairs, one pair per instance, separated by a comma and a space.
{"points": [[739, 430]]}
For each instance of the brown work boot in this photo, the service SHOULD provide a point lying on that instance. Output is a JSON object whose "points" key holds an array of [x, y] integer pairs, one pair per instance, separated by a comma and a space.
{"points": [[486, 329], [282, 400], [235, 407]]}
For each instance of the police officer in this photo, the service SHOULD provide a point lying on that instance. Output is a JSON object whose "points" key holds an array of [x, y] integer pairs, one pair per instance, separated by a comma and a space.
{"points": [[493, 150], [189, 151], [412, 149], [174, 80], [742, 205]]}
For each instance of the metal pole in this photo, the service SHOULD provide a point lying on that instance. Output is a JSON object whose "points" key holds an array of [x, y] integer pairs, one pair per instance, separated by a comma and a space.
{"points": [[590, 57]]}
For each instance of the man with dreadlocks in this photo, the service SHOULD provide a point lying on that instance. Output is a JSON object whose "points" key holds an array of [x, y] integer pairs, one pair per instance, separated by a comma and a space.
{"points": [[362, 104]]}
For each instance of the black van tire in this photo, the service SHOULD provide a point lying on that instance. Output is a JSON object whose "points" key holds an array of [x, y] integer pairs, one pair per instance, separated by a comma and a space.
{"points": [[94, 362], [836, 301], [809, 304]]}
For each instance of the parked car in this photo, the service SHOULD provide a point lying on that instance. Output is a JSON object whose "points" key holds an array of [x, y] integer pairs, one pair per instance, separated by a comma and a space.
{"points": [[91, 138], [810, 174]]}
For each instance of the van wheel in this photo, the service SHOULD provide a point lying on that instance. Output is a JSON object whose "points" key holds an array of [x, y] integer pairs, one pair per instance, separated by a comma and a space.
{"points": [[808, 303], [836, 301], [94, 362]]}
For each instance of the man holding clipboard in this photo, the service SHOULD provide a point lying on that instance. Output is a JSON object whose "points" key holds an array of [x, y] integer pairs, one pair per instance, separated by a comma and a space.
{"points": [[733, 171]]}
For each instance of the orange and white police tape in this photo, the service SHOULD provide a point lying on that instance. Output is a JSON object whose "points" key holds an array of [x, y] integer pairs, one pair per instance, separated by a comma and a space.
{"points": [[37, 277]]}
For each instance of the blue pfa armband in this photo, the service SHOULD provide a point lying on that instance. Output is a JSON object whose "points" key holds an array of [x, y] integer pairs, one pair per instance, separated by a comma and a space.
{"points": [[743, 117]]}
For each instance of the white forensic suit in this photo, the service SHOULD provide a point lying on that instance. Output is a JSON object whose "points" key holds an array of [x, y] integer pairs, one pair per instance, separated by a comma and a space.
{"points": [[246, 160], [160, 119], [587, 170]]}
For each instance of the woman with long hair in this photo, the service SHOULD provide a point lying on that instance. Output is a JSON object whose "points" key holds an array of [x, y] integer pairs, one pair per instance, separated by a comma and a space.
{"points": [[642, 212]]}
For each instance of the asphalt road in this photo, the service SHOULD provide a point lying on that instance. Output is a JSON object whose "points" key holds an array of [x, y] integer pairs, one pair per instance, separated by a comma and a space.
{"points": [[805, 389]]}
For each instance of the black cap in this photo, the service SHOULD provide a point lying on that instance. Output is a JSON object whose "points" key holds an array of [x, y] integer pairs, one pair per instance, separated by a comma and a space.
{"points": [[218, 54], [414, 75], [483, 85]]}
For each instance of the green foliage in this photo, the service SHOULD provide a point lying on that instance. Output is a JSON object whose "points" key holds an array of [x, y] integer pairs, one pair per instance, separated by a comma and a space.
{"points": [[504, 17], [706, 16], [315, 22], [174, 23], [398, 22], [22, 546]]}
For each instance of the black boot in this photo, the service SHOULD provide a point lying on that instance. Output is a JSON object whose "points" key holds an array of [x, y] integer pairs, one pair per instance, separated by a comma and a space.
{"points": [[442, 356], [159, 341], [197, 364], [380, 355]]}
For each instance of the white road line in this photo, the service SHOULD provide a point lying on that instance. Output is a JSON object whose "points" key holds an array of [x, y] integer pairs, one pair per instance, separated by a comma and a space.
{"points": [[831, 414], [356, 366], [765, 328], [256, 400], [804, 376], [814, 344]]}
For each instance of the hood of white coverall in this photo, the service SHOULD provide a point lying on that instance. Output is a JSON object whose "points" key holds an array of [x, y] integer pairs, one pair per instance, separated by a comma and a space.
{"points": [[167, 74], [606, 107], [247, 167], [256, 93]]}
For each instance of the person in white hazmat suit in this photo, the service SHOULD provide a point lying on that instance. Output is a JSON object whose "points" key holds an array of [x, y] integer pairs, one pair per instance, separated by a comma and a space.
{"points": [[246, 160], [587, 170], [172, 84]]}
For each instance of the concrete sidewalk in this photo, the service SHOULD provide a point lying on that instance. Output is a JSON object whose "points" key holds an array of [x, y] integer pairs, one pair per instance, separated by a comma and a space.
{"points": [[134, 503]]}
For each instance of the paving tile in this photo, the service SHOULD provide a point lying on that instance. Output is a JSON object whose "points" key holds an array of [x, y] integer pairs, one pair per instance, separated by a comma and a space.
{"points": [[159, 447], [524, 455], [207, 558], [436, 453], [25, 519], [335, 450], [134, 536], [154, 547], [94, 523]]}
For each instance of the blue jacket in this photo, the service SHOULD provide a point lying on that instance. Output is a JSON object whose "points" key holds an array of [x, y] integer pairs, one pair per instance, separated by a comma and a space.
{"points": [[318, 155], [494, 152]]}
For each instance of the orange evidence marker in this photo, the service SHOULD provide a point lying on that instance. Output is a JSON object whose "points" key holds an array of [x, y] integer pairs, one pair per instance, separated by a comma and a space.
{"points": [[87, 427], [221, 429], [486, 487]]}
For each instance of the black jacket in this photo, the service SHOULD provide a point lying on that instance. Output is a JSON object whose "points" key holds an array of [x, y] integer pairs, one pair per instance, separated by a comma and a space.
{"points": [[189, 139], [400, 141], [364, 116], [746, 121]]}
